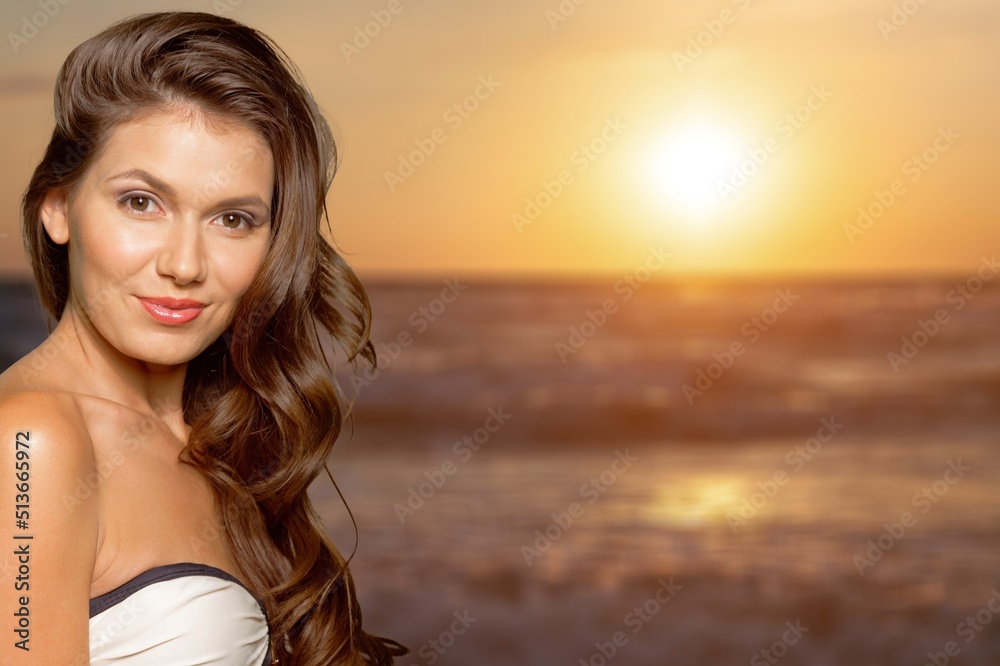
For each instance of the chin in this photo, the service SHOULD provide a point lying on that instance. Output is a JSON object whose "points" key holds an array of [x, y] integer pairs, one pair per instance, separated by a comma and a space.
{"points": [[164, 351]]}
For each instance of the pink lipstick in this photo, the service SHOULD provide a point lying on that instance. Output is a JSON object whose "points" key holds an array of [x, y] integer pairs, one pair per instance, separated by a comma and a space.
{"points": [[172, 311]]}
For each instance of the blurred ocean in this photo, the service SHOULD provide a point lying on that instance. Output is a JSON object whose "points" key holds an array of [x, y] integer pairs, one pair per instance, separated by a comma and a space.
{"points": [[681, 473]]}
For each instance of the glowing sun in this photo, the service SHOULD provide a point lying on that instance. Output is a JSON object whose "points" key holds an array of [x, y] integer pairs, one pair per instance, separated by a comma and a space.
{"points": [[686, 167]]}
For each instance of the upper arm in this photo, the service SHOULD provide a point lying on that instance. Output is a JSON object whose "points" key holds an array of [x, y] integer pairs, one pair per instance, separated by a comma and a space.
{"points": [[48, 530]]}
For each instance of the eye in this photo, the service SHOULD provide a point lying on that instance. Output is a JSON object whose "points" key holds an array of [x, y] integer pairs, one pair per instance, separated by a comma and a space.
{"points": [[139, 203], [234, 220]]}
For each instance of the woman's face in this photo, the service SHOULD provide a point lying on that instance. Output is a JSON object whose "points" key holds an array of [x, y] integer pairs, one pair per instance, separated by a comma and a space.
{"points": [[166, 229]]}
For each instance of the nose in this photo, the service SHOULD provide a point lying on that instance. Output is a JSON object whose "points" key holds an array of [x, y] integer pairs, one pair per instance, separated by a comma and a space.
{"points": [[182, 255]]}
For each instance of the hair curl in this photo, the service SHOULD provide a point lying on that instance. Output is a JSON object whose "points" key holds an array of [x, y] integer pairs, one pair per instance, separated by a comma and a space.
{"points": [[262, 400]]}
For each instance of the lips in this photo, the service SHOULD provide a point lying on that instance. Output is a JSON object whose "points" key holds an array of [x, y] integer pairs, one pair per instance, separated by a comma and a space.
{"points": [[171, 311]]}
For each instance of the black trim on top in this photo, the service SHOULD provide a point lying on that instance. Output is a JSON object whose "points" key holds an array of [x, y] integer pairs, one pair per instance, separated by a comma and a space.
{"points": [[166, 572]]}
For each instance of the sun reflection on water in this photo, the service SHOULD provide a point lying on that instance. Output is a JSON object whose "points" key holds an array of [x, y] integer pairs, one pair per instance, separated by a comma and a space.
{"points": [[695, 502]]}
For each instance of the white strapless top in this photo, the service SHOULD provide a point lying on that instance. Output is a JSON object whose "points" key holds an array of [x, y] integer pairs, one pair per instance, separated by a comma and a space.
{"points": [[182, 614]]}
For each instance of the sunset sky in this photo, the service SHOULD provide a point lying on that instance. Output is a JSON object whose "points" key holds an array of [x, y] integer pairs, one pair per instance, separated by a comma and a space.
{"points": [[740, 136]]}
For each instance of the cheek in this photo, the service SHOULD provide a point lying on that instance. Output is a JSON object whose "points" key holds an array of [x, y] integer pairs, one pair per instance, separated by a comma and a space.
{"points": [[102, 259], [234, 265]]}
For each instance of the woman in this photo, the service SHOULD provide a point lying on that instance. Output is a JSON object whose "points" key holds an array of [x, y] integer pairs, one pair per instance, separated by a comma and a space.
{"points": [[160, 443]]}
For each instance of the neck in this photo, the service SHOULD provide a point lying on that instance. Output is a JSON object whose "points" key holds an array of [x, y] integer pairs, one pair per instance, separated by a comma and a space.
{"points": [[90, 365]]}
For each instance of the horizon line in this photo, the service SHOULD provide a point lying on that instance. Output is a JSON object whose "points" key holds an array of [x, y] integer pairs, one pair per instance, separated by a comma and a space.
{"points": [[393, 278]]}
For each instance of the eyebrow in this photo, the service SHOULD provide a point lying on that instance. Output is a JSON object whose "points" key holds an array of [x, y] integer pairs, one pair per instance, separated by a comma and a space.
{"points": [[156, 183]]}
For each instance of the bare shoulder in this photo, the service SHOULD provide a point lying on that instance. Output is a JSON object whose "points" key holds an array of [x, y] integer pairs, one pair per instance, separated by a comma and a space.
{"points": [[32, 399], [50, 533], [51, 425]]}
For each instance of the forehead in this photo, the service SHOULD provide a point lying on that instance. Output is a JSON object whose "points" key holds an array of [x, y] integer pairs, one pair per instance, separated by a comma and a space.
{"points": [[195, 152]]}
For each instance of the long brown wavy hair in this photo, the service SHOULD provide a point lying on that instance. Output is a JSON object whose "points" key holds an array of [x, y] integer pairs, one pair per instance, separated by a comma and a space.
{"points": [[263, 400]]}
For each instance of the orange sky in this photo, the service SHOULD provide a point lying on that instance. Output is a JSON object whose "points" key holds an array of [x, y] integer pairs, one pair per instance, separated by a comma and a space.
{"points": [[640, 122]]}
